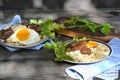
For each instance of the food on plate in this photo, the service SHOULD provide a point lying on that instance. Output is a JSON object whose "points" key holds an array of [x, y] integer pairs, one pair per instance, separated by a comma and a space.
{"points": [[81, 27], [82, 50], [23, 34], [87, 51]]}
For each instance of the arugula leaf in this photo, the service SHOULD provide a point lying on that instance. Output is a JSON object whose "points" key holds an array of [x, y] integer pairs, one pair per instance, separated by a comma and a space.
{"points": [[92, 27], [49, 26], [59, 50], [70, 21], [83, 20], [106, 29]]}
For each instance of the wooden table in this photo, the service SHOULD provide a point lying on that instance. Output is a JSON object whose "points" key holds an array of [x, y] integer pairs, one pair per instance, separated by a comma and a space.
{"points": [[36, 65]]}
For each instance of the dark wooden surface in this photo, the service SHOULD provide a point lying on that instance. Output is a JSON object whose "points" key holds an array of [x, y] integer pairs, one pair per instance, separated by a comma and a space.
{"points": [[34, 65], [40, 65]]}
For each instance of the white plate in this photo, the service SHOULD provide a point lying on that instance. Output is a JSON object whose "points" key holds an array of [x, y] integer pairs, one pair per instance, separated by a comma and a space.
{"points": [[109, 54]]}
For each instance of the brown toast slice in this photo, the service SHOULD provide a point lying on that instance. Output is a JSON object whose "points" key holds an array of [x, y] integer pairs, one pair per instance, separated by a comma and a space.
{"points": [[75, 32]]}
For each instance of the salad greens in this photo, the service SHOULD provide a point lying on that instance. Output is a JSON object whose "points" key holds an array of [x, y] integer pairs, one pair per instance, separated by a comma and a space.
{"points": [[49, 27], [60, 48], [85, 24]]}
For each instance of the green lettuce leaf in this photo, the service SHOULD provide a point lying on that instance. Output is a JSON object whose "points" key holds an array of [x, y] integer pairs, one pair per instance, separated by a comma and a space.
{"points": [[49, 27]]}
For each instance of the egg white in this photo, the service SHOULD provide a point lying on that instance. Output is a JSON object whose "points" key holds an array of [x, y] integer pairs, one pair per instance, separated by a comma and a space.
{"points": [[17, 27], [33, 38]]}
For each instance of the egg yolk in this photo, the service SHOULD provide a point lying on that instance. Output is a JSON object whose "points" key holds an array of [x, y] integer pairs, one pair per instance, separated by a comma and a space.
{"points": [[92, 44], [23, 34]]}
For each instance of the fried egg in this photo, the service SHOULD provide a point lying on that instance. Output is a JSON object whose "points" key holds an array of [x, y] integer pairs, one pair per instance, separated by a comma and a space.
{"points": [[92, 44], [24, 36]]}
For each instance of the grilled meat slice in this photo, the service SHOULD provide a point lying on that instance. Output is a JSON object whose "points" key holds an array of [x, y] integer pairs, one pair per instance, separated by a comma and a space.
{"points": [[81, 45], [4, 34], [33, 26]]}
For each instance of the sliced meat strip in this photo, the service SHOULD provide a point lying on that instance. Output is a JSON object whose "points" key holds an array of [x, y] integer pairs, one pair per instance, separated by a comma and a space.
{"points": [[4, 34], [85, 50]]}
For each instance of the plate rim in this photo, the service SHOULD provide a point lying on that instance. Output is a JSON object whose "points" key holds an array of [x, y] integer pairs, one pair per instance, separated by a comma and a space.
{"points": [[28, 46]]}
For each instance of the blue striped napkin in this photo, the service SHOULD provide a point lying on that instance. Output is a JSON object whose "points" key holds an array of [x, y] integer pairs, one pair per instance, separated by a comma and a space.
{"points": [[17, 20], [87, 72]]}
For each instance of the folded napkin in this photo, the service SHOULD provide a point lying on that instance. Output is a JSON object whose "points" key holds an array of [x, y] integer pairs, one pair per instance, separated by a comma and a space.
{"points": [[17, 20], [88, 71]]}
